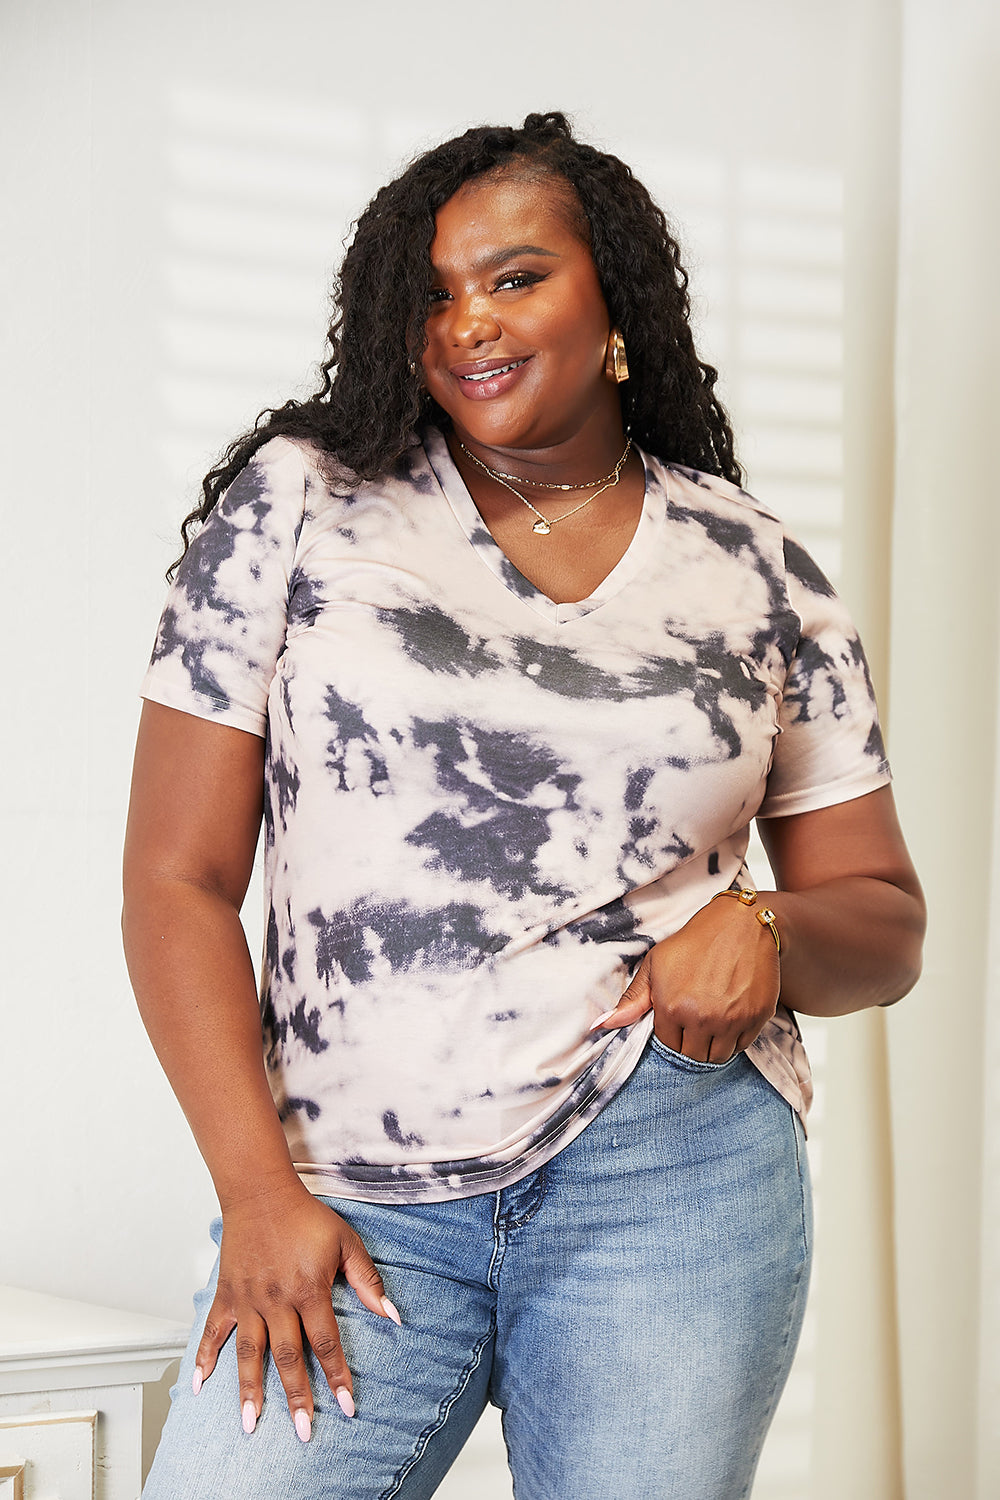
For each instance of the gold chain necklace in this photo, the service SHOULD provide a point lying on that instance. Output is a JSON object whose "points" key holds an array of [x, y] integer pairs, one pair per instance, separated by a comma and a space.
{"points": [[544, 524]]}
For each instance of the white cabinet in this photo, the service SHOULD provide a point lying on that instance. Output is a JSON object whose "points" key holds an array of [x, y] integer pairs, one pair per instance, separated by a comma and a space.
{"points": [[71, 1379]]}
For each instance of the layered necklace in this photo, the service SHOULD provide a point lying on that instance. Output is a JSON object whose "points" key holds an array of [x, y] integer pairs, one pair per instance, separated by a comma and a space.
{"points": [[544, 524]]}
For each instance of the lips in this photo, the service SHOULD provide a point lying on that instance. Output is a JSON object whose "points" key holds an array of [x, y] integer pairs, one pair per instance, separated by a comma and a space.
{"points": [[493, 370], [484, 378]]}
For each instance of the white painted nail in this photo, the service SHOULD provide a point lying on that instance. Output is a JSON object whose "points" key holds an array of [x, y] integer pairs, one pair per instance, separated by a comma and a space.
{"points": [[345, 1400], [196, 1379], [303, 1426], [249, 1416], [392, 1311], [601, 1019]]}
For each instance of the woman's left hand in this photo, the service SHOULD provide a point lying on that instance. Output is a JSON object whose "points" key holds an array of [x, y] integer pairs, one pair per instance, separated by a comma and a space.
{"points": [[713, 985]]}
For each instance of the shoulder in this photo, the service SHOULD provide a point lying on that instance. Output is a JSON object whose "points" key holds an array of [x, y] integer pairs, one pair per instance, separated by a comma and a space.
{"points": [[275, 473], [733, 516], [286, 463], [322, 474], [288, 482], [714, 491], [720, 517]]}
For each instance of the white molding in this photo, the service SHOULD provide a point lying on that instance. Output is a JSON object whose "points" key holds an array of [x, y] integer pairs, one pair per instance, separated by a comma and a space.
{"points": [[56, 1354], [54, 1344]]}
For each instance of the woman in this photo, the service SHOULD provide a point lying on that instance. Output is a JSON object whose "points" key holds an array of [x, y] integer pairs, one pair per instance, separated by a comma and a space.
{"points": [[491, 635]]}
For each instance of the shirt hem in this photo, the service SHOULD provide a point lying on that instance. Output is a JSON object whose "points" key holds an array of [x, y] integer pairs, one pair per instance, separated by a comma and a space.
{"points": [[328, 1182], [787, 804], [216, 710]]}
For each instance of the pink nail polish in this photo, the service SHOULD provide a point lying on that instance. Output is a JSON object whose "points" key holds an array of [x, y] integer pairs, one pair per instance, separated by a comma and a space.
{"points": [[303, 1426], [249, 1416], [392, 1311], [196, 1379], [344, 1400], [601, 1019]]}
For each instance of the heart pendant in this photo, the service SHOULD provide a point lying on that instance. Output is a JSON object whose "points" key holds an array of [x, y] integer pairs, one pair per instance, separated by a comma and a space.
{"points": [[541, 528]]}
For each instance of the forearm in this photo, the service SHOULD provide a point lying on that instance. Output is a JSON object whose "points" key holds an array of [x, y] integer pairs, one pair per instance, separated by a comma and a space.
{"points": [[846, 944], [194, 982]]}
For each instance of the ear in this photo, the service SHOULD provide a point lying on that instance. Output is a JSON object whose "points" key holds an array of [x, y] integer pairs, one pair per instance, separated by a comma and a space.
{"points": [[616, 363]]}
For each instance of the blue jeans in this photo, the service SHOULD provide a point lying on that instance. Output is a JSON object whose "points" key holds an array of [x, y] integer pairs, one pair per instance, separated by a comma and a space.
{"points": [[632, 1307]]}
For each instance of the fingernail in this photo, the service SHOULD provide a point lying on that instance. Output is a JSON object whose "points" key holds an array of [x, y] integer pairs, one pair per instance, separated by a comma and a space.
{"points": [[601, 1019], [249, 1416], [392, 1311], [344, 1400], [303, 1426], [196, 1379]]}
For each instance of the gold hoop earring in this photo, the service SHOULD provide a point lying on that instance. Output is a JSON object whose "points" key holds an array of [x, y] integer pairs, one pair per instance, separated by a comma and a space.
{"points": [[616, 364]]}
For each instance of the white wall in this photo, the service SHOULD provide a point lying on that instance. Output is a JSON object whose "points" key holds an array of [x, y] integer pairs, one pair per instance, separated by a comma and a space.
{"points": [[182, 179]]}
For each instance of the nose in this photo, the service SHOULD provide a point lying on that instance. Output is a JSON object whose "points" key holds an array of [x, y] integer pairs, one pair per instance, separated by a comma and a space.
{"points": [[473, 322]]}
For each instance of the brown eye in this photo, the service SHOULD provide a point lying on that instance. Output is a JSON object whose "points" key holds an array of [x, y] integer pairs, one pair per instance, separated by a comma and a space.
{"points": [[517, 279]]}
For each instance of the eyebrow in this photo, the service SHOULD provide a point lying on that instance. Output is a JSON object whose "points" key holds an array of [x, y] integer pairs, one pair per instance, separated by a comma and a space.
{"points": [[511, 252]]}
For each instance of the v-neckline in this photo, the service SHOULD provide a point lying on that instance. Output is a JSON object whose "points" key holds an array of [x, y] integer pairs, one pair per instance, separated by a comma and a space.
{"points": [[481, 539]]}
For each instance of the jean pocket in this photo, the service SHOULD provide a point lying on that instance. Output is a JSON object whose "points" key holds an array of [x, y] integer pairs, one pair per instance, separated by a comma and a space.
{"points": [[689, 1064]]}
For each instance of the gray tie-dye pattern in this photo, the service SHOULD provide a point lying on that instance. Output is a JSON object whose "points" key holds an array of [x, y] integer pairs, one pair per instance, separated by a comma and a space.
{"points": [[482, 808]]}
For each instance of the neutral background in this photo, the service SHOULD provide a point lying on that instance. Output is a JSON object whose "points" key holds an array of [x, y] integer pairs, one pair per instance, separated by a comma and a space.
{"points": [[178, 182]]}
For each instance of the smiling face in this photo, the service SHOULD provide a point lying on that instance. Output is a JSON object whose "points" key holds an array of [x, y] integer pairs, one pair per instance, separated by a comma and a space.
{"points": [[517, 328]]}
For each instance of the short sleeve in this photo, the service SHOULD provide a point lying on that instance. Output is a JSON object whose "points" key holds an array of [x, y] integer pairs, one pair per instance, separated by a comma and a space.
{"points": [[223, 627], [829, 747]]}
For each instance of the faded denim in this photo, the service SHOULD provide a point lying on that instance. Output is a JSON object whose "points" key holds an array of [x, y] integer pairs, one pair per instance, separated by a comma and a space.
{"points": [[632, 1307]]}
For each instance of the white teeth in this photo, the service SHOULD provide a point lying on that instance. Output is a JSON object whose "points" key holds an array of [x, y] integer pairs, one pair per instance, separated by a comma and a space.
{"points": [[492, 374]]}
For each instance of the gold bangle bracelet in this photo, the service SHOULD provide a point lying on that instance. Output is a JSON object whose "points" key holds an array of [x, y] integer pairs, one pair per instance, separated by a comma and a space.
{"points": [[766, 919], [748, 897], [765, 916]]}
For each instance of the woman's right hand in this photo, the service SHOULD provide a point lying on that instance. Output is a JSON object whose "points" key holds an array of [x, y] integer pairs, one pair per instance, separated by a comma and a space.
{"points": [[197, 793], [280, 1254]]}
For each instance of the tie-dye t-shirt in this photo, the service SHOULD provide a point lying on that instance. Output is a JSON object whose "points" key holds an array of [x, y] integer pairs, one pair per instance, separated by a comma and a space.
{"points": [[482, 807]]}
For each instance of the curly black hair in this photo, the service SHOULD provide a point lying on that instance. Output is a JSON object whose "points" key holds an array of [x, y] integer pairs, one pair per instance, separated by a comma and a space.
{"points": [[381, 297]]}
